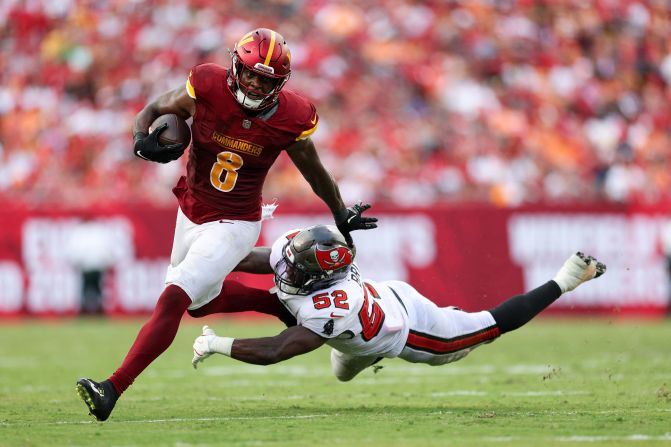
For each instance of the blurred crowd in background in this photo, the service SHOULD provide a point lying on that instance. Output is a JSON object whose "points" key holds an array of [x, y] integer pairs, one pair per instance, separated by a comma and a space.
{"points": [[502, 102]]}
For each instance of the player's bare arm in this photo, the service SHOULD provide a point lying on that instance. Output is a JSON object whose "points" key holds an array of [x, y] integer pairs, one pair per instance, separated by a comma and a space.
{"points": [[293, 341], [145, 143], [175, 101], [257, 261], [305, 157]]}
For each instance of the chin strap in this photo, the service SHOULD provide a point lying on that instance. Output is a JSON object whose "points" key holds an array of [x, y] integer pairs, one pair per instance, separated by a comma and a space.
{"points": [[246, 101]]}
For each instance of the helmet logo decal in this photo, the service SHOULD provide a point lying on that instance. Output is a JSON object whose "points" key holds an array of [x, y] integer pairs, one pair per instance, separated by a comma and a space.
{"points": [[264, 68], [334, 259]]}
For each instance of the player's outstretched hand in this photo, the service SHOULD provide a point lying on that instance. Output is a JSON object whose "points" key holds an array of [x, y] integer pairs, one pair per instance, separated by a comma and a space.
{"points": [[201, 346], [577, 269], [147, 146], [351, 219]]}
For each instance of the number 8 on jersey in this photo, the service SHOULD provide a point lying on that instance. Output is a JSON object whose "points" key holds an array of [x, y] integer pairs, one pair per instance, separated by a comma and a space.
{"points": [[229, 162]]}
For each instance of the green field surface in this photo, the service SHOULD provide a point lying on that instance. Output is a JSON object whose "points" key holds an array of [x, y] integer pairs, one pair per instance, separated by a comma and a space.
{"points": [[552, 383]]}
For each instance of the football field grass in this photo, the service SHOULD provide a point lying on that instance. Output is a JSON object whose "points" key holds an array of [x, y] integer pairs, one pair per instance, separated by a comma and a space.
{"points": [[551, 383]]}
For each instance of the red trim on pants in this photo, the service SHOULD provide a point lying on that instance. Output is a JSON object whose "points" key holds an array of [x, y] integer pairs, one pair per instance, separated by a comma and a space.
{"points": [[437, 345]]}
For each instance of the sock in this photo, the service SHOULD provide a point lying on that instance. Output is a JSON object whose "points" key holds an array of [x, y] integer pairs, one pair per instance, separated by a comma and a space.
{"points": [[520, 309], [154, 337], [237, 297]]}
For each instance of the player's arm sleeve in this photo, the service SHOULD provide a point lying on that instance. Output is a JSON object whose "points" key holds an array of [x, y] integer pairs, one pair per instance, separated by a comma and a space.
{"points": [[310, 123], [190, 90], [257, 262], [293, 341]]}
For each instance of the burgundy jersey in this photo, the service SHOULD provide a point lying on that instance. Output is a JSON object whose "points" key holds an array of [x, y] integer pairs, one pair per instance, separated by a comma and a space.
{"points": [[232, 151]]}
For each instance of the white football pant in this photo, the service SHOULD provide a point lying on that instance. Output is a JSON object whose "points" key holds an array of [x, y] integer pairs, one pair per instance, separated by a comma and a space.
{"points": [[203, 255], [438, 335]]}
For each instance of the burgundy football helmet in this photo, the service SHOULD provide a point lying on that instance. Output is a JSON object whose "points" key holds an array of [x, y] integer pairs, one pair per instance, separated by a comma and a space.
{"points": [[313, 259], [261, 57]]}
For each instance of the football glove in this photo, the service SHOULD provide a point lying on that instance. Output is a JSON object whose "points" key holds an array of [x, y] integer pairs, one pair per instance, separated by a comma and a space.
{"points": [[146, 146], [350, 219]]}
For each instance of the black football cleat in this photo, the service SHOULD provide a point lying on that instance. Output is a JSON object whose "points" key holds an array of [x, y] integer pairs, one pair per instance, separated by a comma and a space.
{"points": [[99, 397]]}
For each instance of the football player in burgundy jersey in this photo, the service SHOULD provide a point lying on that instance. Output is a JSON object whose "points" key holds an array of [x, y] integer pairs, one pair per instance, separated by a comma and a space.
{"points": [[243, 119], [364, 321]]}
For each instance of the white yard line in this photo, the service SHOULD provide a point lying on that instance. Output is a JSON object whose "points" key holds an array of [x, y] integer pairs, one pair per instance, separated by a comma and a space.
{"points": [[545, 393], [391, 368], [636, 437], [573, 438], [160, 421], [581, 438], [452, 393]]}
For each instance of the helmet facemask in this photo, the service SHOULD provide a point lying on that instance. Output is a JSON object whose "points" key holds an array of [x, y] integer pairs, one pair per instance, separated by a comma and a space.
{"points": [[254, 100], [295, 280], [262, 53]]}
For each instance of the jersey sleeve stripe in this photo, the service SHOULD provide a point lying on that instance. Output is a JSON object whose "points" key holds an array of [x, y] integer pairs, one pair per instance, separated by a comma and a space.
{"points": [[436, 345], [399, 300], [307, 133], [189, 88]]}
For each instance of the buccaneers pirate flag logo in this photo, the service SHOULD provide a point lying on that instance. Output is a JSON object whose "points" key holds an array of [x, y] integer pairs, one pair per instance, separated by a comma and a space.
{"points": [[334, 259]]}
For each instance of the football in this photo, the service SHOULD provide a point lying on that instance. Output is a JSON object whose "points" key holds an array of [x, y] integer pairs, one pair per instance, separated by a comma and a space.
{"points": [[177, 132]]}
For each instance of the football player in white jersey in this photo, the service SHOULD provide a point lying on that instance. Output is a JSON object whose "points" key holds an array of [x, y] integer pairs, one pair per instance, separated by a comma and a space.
{"points": [[364, 321]]}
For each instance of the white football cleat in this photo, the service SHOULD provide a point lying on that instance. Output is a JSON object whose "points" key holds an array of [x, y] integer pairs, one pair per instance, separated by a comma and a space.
{"points": [[201, 346], [578, 269]]}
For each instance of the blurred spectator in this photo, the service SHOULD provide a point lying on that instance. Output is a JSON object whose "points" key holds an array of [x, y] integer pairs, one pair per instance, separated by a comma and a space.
{"points": [[506, 102], [90, 251]]}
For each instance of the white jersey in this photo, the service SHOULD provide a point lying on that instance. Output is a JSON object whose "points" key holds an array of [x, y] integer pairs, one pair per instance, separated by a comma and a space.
{"points": [[359, 317]]}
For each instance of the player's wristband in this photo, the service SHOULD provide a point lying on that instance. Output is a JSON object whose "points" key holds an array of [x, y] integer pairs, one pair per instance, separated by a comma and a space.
{"points": [[222, 345]]}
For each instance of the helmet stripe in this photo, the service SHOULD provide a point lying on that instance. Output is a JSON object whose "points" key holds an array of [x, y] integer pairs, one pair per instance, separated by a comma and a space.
{"points": [[246, 39], [270, 50]]}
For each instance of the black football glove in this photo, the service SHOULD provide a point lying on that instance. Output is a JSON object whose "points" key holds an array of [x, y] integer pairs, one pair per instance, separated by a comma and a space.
{"points": [[147, 146], [350, 219]]}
